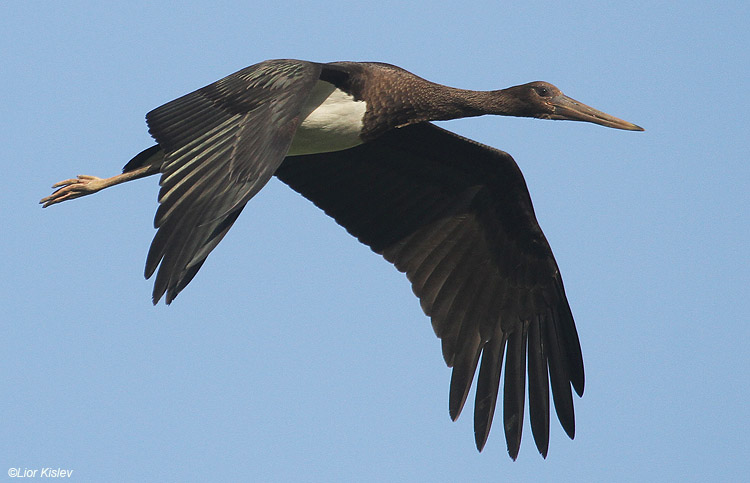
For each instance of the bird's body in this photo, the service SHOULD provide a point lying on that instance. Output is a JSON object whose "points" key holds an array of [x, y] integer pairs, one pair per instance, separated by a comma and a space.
{"points": [[453, 214], [334, 122]]}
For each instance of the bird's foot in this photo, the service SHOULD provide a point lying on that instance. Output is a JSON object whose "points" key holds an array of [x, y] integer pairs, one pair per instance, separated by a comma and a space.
{"points": [[70, 189]]}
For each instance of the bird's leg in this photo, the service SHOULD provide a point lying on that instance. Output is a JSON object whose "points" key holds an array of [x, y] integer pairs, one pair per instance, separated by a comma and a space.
{"points": [[83, 185]]}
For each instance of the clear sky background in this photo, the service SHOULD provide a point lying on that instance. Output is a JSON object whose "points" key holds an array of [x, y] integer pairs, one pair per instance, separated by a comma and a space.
{"points": [[298, 354]]}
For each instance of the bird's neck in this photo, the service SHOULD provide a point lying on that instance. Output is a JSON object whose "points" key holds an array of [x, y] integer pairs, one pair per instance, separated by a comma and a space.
{"points": [[410, 99], [453, 103]]}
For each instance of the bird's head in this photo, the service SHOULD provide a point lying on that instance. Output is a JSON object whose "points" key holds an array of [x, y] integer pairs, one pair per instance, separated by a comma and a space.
{"points": [[545, 101]]}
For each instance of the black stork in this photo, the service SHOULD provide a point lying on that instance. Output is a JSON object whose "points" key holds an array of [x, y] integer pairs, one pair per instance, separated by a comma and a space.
{"points": [[454, 215]]}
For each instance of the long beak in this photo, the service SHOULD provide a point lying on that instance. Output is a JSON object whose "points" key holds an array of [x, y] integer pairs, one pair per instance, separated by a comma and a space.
{"points": [[572, 110]]}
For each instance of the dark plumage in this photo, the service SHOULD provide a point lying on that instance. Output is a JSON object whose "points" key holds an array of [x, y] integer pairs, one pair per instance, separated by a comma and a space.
{"points": [[453, 214]]}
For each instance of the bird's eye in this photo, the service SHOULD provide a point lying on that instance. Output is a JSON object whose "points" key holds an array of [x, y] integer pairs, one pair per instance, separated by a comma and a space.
{"points": [[543, 91]]}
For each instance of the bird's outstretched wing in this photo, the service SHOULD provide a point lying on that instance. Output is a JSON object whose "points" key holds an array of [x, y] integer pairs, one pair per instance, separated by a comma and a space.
{"points": [[456, 217], [221, 144]]}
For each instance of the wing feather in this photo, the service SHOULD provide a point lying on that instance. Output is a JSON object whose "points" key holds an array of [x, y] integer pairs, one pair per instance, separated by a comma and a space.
{"points": [[221, 144], [456, 217]]}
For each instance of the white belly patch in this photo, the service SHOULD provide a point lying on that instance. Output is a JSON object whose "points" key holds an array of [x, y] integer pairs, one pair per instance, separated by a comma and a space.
{"points": [[332, 121]]}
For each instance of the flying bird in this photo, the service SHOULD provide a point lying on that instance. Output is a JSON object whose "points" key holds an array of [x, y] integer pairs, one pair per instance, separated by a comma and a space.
{"points": [[355, 138]]}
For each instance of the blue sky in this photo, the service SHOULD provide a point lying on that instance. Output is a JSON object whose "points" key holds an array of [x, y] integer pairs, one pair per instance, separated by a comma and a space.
{"points": [[297, 354]]}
